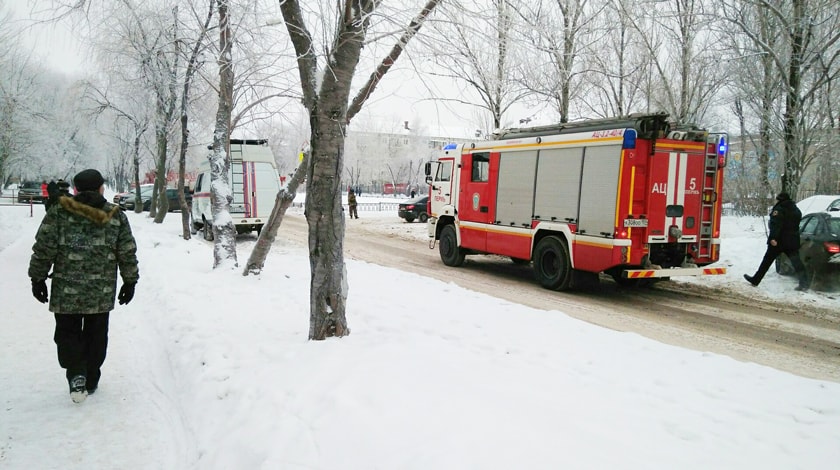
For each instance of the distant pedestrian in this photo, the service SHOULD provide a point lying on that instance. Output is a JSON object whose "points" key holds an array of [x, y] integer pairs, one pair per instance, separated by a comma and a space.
{"points": [[413, 194], [45, 194], [84, 240], [783, 238], [52, 194], [351, 201], [63, 189]]}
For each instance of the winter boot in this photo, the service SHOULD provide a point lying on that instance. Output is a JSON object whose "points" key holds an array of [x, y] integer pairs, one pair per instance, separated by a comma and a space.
{"points": [[750, 279], [804, 283], [78, 392]]}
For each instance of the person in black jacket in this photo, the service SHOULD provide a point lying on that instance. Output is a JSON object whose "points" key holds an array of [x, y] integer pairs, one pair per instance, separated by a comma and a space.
{"points": [[783, 238], [52, 193]]}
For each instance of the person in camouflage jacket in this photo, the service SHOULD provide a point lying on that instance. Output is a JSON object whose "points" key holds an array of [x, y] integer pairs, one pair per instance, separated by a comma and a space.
{"points": [[84, 239]]}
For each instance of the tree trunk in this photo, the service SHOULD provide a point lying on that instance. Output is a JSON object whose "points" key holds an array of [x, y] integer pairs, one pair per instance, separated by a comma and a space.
{"points": [[328, 117], [791, 177], [185, 132], [324, 213], [284, 199], [224, 232]]}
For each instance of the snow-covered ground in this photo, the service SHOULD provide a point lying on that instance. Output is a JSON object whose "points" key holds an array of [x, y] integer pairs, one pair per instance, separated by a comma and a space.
{"points": [[213, 370]]}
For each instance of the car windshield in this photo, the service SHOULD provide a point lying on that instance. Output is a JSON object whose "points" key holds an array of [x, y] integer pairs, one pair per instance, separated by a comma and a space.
{"points": [[30, 185]]}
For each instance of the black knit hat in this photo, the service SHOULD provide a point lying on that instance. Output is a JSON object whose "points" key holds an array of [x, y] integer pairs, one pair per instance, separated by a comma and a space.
{"points": [[783, 197], [88, 180]]}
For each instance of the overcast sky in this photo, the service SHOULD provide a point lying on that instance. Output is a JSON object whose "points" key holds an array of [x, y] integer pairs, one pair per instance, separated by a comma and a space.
{"points": [[53, 44]]}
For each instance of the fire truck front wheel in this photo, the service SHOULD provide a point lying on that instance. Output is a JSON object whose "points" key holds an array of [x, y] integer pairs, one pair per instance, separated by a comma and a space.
{"points": [[552, 266], [450, 253]]}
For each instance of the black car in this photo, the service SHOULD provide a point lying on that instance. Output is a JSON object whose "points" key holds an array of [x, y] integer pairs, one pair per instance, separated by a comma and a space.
{"points": [[146, 197], [414, 209], [819, 234], [127, 200], [30, 191]]}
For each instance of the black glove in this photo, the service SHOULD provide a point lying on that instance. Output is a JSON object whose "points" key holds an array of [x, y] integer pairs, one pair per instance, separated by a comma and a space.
{"points": [[126, 293], [39, 290]]}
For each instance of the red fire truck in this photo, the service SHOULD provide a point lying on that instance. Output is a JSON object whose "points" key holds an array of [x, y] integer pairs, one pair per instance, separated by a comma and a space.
{"points": [[635, 197]]}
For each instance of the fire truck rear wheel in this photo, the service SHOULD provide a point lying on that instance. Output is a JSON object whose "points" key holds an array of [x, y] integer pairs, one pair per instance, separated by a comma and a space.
{"points": [[552, 266], [450, 253]]}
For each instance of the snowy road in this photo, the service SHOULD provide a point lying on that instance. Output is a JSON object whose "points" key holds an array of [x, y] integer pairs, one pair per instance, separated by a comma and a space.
{"points": [[802, 339]]}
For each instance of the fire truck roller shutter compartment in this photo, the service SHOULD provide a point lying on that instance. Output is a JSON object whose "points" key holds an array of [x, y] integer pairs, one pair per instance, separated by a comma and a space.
{"points": [[558, 184], [598, 190], [514, 204], [515, 197]]}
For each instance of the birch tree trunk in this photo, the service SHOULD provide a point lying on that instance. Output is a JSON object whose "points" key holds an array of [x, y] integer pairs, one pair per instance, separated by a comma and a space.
{"points": [[224, 232], [167, 96]]}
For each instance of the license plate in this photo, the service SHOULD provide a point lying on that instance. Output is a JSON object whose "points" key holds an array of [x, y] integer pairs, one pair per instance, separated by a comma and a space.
{"points": [[635, 222]]}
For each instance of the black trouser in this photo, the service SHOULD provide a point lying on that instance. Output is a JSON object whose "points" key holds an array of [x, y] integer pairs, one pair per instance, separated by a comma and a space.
{"points": [[82, 342], [771, 254]]}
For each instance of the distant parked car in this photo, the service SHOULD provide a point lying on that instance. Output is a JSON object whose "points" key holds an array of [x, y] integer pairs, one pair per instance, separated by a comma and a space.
{"points": [[30, 191], [171, 195], [820, 250], [819, 203], [127, 201], [119, 198], [174, 203], [414, 209]]}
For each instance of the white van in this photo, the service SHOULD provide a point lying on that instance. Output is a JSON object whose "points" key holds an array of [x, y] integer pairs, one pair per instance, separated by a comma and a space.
{"points": [[254, 182]]}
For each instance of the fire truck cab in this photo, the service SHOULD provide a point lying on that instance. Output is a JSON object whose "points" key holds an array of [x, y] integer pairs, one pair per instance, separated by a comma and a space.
{"points": [[630, 197]]}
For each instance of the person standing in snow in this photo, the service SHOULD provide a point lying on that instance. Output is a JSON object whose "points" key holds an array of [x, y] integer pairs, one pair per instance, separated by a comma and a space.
{"points": [[52, 194], [783, 238], [351, 201], [84, 239], [63, 189]]}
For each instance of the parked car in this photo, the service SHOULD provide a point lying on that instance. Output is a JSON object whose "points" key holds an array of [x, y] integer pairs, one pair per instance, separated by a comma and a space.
{"points": [[119, 198], [819, 203], [414, 209], [174, 203], [128, 199], [146, 197], [819, 234], [30, 191]]}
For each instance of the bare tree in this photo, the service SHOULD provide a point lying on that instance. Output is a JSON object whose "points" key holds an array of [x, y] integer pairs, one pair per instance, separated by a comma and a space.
{"points": [[474, 47], [684, 58], [192, 66], [806, 57], [616, 81], [133, 110], [560, 31], [224, 232], [325, 97]]}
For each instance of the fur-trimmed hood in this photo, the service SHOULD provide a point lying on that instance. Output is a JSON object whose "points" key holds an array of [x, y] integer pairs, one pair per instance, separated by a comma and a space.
{"points": [[97, 216]]}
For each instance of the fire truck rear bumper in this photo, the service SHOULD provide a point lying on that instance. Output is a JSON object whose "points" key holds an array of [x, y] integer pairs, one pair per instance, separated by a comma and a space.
{"points": [[652, 273]]}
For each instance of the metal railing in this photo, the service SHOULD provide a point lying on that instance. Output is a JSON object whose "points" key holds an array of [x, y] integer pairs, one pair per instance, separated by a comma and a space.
{"points": [[12, 200], [365, 206]]}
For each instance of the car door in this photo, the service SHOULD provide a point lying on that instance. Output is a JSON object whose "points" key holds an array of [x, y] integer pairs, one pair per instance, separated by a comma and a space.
{"points": [[808, 237]]}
